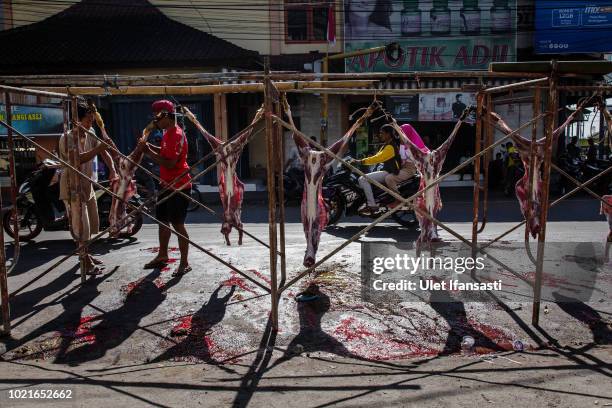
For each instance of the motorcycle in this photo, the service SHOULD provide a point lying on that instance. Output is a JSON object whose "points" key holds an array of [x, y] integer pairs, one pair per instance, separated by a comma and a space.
{"points": [[583, 171], [29, 215], [293, 182], [343, 195]]}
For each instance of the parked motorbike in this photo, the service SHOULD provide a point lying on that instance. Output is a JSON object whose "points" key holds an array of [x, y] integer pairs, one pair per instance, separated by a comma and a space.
{"points": [[29, 215], [343, 195], [293, 182], [583, 171]]}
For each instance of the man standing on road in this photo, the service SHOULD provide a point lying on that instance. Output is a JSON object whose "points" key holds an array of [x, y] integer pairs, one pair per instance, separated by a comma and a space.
{"points": [[89, 148], [171, 157]]}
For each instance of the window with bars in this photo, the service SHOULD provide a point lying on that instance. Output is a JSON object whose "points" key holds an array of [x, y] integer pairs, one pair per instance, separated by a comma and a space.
{"points": [[306, 21]]}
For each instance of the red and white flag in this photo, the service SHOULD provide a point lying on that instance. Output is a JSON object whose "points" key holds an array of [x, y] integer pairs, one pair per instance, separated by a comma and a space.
{"points": [[331, 25]]}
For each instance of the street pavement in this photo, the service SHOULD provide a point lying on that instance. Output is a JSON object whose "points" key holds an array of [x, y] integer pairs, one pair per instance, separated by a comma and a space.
{"points": [[145, 338]]}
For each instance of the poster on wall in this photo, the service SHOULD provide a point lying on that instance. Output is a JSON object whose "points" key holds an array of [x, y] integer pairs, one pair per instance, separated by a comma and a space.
{"points": [[445, 106], [404, 108], [573, 26], [34, 120], [434, 35]]}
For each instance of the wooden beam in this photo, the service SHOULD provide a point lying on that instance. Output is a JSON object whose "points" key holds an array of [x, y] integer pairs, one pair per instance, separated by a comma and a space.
{"points": [[207, 89]]}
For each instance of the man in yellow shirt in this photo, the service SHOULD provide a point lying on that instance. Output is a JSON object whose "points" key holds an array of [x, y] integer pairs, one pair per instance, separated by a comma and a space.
{"points": [[389, 155]]}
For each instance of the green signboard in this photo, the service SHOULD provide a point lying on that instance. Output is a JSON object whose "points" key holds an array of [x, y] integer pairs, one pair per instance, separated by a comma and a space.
{"points": [[438, 35]]}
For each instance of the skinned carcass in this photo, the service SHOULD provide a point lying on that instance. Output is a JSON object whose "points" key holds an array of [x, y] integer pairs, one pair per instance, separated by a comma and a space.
{"points": [[123, 185], [316, 164], [531, 207], [231, 189], [429, 163]]}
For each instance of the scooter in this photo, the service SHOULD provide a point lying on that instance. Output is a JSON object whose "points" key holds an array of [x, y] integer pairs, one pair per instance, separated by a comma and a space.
{"points": [[29, 216], [343, 196]]}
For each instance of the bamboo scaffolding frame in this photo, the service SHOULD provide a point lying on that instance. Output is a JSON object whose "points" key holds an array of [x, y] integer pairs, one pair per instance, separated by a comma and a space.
{"points": [[82, 247], [128, 80], [180, 192], [404, 201], [274, 121], [205, 89]]}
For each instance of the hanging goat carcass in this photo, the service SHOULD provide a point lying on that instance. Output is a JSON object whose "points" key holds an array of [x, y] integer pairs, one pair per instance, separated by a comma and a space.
{"points": [[531, 207], [429, 163], [231, 189], [314, 213]]}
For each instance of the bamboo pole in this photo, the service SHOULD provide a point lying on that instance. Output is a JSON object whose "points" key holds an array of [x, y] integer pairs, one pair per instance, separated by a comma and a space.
{"points": [[74, 152], [375, 91], [13, 177], [179, 79], [480, 100], [269, 110], [489, 135], [35, 92], [516, 85], [206, 89], [280, 143], [4, 295], [553, 95]]}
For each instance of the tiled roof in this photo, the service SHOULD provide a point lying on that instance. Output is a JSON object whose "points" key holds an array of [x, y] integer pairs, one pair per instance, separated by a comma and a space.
{"points": [[104, 34]]}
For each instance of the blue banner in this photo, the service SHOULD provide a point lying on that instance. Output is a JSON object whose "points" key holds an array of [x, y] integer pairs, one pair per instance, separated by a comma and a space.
{"points": [[34, 120], [573, 26]]}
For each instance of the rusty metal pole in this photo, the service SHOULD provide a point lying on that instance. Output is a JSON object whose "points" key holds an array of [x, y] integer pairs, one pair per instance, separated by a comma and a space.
{"points": [[280, 144], [480, 97], [13, 176], [548, 146], [74, 152], [488, 141], [4, 295], [269, 110]]}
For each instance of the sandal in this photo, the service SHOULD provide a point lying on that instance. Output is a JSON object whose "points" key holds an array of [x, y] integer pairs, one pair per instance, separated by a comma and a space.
{"points": [[180, 271], [156, 264], [95, 271]]}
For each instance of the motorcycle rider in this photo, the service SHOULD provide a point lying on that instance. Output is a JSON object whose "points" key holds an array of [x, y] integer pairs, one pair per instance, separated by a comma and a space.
{"points": [[592, 152], [89, 147], [573, 151], [389, 155]]}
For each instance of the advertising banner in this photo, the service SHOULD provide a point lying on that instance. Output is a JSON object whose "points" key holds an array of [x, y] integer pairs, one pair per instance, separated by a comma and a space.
{"points": [[438, 35], [445, 106], [573, 26], [404, 108], [34, 120]]}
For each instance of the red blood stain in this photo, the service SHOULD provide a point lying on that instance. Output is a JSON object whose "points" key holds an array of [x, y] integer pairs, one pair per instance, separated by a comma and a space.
{"points": [[133, 288], [82, 332], [502, 339], [549, 280], [155, 250], [197, 341], [236, 280], [261, 275], [367, 344]]}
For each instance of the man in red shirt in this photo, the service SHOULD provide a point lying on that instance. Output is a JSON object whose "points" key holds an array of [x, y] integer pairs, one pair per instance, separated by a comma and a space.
{"points": [[171, 157]]}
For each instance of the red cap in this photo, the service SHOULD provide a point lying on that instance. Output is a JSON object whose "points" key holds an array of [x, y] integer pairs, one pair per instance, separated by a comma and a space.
{"points": [[162, 105]]}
